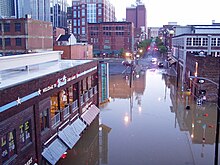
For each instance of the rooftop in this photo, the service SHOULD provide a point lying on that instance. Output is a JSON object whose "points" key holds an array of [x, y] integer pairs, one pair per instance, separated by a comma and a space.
{"points": [[15, 75]]}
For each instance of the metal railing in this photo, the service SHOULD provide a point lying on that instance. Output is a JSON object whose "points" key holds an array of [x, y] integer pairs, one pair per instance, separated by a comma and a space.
{"points": [[55, 120], [95, 89], [86, 96], [74, 105], [81, 100], [90, 92], [66, 111]]}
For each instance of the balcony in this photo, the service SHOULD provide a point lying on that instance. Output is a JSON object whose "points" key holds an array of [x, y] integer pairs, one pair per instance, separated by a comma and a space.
{"points": [[56, 119]]}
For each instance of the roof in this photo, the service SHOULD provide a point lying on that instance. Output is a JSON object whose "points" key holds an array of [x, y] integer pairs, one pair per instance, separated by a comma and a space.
{"points": [[20, 75], [64, 37]]}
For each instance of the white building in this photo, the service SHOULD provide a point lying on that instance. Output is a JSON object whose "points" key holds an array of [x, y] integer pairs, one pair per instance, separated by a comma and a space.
{"points": [[196, 39]]}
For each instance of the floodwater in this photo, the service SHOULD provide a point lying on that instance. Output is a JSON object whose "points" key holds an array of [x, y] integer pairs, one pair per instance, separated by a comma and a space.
{"points": [[148, 124]]}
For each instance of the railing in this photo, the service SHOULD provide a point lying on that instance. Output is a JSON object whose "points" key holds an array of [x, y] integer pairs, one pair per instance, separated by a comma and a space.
{"points": [[90, 92], [74, 105], [86, 96], [66, 111], [56, 119], [95, 89], [81, 100]]}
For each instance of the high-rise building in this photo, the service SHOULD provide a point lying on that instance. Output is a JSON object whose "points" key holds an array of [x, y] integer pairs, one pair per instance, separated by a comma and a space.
{"points": [[37, 9], [7, 8], [138, 15], [86, 11], [58, 13]]}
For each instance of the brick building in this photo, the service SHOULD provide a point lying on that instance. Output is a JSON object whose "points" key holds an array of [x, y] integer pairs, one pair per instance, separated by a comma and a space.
{"points": [[19, 36], [111, 37], [76, 51], [138, 15], [83, 12], [202, 76], [41, 100]]}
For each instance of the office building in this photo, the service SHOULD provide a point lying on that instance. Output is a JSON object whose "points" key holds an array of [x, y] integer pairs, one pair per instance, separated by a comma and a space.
{"points": [[137, 14], [84, 12], [58, 13], [7, 8]]}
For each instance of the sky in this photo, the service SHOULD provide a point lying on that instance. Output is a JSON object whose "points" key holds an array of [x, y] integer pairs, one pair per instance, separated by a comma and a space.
{"points": [[184, 12]]}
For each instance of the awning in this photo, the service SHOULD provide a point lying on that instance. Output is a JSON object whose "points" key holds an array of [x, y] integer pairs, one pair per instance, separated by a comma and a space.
{"points": [[171, 62], [54, 151], [69, 136], [90, 114], [78, 126]]}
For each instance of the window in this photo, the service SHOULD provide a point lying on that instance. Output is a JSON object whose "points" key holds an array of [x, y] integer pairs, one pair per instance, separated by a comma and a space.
{"points": [[196, 41], [63, 99], [0, 41], [218, 42], [17, 27], [6, 27], [83, 12], [44, 119], [7, 41], [8, 145], [25, 133], [189, 41], [18, 41], [213, 42], [0, 27], [205, 42]]}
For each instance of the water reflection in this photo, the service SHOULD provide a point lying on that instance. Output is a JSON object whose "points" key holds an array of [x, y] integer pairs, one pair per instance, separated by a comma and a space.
{"points": [[148, 124]]}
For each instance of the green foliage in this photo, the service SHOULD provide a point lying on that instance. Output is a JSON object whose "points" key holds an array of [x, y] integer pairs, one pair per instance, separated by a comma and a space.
{"points": [[144, 44]]}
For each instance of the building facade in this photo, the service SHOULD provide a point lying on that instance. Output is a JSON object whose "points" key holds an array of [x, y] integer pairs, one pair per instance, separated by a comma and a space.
{"points": [[18, 36], [195, 39], [111, 37], [85, 11], [7, 8], [45, 106], [58, 13], [138, 15]]}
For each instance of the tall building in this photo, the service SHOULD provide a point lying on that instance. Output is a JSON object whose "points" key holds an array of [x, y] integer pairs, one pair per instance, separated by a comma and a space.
{"points": [[137, 14], [58, 13], [37, 9], [84, 12], [7, 8]]}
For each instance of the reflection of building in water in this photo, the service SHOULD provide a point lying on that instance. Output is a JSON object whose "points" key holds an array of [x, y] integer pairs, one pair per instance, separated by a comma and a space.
{"points": [[104, 82], [86, 151], [119, 86], [199, 121], [103, 143]]}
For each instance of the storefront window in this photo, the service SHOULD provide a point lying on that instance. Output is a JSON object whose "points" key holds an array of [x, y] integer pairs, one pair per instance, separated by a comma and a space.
{"points": [[8, 145], [70, 90], [63, 99], [44, 120], [54, 107], [25, 133]]}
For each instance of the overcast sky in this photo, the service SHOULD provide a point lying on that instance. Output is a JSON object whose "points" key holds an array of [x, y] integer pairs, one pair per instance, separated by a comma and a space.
{"points": [[184, 12]]}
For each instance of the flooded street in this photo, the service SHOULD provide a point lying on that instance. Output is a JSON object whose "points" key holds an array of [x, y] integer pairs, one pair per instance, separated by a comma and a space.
{"points": [[148, 124], [148, 127]]}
